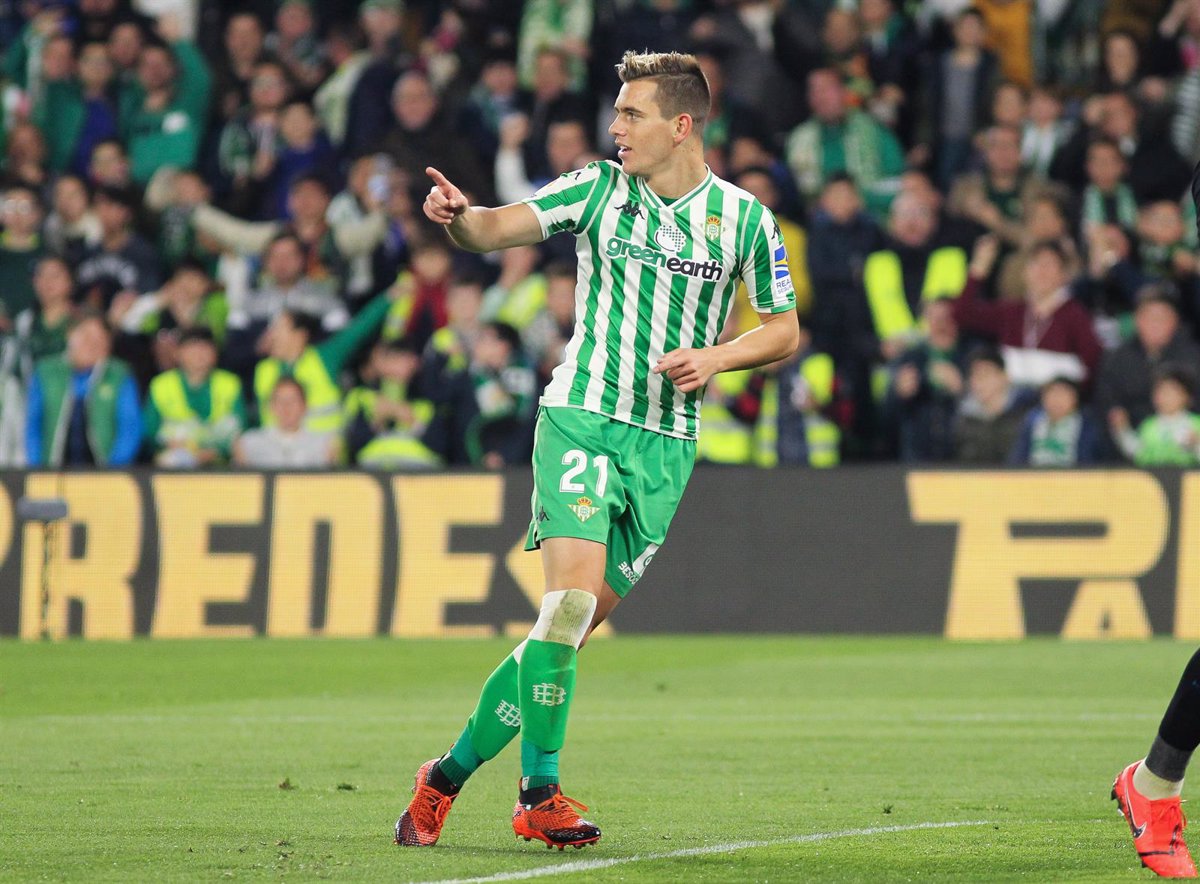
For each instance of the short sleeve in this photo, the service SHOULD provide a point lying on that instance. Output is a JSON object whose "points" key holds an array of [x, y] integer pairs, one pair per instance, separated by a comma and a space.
{"points": [[561, 204], [763, 266]]}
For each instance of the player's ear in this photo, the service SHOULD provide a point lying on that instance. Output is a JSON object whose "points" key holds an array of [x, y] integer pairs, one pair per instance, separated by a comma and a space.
{"points": [[683, 127]]}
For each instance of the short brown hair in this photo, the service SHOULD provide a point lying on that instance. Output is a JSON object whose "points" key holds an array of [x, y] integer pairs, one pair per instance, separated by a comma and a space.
{"points": [[682, 86]]}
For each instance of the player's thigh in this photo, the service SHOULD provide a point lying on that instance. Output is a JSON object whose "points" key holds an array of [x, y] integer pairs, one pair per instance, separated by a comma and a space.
{"points": [[578, 492], [654, 488]]}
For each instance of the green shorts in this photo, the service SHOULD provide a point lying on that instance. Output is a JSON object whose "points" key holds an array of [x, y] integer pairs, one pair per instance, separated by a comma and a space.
{"points": [[604, 480]]}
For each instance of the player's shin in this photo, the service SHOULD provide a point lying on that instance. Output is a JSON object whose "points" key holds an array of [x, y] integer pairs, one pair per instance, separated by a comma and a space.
{"points": [[491, 727], [546, 679], [1178, 737]]}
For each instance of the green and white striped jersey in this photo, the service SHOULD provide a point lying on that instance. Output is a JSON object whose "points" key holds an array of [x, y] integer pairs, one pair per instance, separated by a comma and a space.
{"points": [[653, 277]]}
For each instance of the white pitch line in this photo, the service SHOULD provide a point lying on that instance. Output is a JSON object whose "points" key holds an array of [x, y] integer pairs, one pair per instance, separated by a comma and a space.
{"points": [[588, 865]]}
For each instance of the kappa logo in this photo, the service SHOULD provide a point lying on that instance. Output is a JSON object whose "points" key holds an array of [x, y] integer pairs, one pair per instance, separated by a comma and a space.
{"points": [[547, 694], [509, 715], [542, 517], [669, 238], [632, 208], [584, 509]]}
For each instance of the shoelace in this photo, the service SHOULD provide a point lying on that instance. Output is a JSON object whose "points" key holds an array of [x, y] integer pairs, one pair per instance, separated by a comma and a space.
{"points": [[559, 804], [1171, 816], [439, 805]]}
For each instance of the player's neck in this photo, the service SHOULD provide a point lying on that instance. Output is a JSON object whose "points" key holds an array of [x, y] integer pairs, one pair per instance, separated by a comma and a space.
{"points": [[679, 177]]}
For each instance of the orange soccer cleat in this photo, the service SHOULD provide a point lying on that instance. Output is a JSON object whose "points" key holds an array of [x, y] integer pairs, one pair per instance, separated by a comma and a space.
{"points": [[1157, 828], [421, 824], [554, 822]]}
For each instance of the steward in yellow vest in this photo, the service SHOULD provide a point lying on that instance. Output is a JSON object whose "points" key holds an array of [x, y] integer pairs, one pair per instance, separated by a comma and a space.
{"points": [[315, 367], [385, 426], [913, 269], [194, 413]]}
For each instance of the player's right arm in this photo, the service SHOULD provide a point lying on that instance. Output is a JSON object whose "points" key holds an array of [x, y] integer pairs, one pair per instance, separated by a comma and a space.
{"points": [[476, 228]]}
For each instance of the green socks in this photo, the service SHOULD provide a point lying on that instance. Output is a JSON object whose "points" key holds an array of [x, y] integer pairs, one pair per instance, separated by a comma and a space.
{"points": [[530, 693], [491, 727]]}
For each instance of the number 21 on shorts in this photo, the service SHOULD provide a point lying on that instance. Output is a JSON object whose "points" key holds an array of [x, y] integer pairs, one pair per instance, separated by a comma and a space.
{"points": [[576, 462]]}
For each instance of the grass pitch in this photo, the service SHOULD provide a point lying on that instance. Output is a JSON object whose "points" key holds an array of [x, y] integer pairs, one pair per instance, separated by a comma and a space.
{"points": [[270, 758]]}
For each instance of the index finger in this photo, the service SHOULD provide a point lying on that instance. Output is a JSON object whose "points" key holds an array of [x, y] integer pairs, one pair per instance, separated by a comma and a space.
{"points": [[439, 179]]}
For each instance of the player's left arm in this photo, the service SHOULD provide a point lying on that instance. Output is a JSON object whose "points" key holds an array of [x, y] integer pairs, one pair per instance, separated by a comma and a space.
{"points": [[777, 337], [764, 269]]}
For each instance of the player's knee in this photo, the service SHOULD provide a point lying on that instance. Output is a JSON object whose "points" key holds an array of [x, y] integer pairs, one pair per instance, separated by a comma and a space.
{"points": [[565, 617]]}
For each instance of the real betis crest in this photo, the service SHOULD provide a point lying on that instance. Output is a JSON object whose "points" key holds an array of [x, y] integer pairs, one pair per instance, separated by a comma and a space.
{"points": [[584, 509], [712, 227]]}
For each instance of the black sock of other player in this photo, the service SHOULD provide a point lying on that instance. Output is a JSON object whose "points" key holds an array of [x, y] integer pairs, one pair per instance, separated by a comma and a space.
{"points": [[1179, 733], [535, 796], [440, 781]]}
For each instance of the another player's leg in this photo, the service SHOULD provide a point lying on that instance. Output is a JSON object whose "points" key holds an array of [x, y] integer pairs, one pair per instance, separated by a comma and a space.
{"points": [[546, 681], [1148, 791]]}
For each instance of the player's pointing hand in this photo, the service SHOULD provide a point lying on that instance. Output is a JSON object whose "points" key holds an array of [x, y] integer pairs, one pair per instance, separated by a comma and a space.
{"points": [[445, 201]]}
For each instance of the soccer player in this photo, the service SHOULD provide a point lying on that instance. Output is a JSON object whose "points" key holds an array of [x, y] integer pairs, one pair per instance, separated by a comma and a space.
{"points": [[662, 244], [1147, 792]]}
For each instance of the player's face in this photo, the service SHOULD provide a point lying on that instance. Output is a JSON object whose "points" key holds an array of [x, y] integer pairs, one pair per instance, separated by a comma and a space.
{"points": [[644, 137]]}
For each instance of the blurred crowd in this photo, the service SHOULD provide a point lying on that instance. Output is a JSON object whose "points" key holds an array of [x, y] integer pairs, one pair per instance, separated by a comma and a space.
{"points": [[212, 250]]}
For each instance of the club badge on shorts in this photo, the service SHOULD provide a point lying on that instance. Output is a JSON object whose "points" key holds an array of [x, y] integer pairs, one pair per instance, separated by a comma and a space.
{"points": [[584, 509]]}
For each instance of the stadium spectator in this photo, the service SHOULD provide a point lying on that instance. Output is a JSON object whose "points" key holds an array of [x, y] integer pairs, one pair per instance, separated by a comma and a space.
{"points": [[912, 267], [243, 48], [21, 248], [327, 247], [1125, 379], [1010, 28], [566, 142], [1107, 198], [420, 292], [990, 417], [301, 148], [892, 49], [76, 110], [109, 165], [761, 183], [1044, 219], [1045, 131], [72, 227], [994, 199], [492, 99], [519, 292], [840, 138], [294, 44], [25, 156], [567, 25], [810, 410], [925, 387], [40, 331], [347, 59], [1049, 334], [386, 423], [316, 367], [496, 400], [419, 132], [83, 405], [186, 301], [287, 440], [958, 85], [545, 336], [122, 262], [729, 119], [1169, 437], [194, 412], [164, 113], [1057, 433], [368, 113], [248, 143], [1156, 170]]}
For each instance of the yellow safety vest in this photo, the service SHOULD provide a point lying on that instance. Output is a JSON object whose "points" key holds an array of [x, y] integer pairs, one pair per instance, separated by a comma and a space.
{"points": [[822, 435], [397, 448], [446, 341], [883, 278], [179, 420], [723, 438], [320, 390]]}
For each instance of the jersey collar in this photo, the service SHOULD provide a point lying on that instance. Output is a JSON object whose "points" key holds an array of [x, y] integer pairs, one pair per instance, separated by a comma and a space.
{"points": [[655, 200]]}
